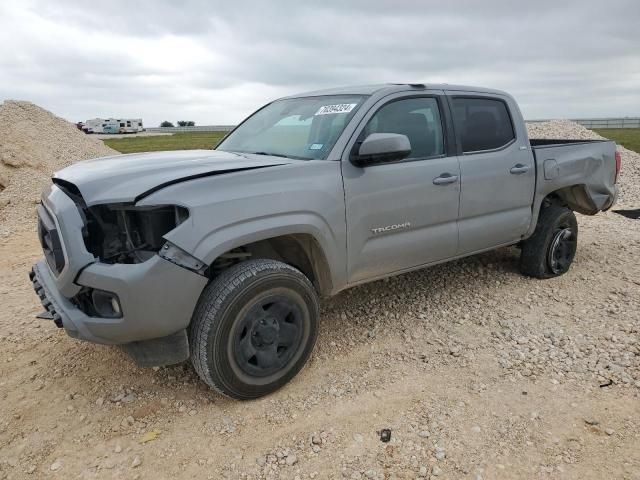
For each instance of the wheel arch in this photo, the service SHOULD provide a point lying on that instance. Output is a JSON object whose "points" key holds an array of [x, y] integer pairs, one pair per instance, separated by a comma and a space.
{"points": [[574, 197], [300, 250], [307, 232]]}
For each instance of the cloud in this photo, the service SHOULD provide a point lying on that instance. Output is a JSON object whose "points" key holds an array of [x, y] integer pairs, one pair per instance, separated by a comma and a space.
{"points": [[214, 63]]}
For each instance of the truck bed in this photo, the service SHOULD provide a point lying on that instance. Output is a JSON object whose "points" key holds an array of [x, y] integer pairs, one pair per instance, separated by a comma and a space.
{"points": [[582, 172]]}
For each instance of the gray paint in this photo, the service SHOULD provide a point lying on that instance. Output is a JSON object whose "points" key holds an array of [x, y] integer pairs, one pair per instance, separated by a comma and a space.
{"points": [[495, 204], [369, 222], [396, 193], [582, 173], [385, 143], [122, 178], [69, 225], [157, 299], [239, 208]]}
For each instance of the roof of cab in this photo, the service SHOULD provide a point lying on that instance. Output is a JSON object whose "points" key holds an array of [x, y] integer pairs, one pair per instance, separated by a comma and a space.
{"points": [[387, 88]]}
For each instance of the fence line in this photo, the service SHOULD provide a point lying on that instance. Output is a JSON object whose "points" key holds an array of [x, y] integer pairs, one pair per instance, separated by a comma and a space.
{"points": [[622, 122], [198, 128], [610, 122]]}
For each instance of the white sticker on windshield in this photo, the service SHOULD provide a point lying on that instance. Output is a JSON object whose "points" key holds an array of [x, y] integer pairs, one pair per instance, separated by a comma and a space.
{"points": [[316, 146], [339, 108]]}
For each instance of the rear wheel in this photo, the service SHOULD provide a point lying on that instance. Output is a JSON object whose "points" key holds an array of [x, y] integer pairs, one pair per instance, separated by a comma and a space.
{"points": [[549, 252], [254, 328]]}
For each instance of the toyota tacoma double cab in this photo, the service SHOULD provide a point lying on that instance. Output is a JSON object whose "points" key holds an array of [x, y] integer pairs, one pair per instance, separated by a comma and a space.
{"points": [[220, 256]]}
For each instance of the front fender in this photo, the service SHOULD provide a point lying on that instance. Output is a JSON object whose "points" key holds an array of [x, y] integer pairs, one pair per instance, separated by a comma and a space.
{"points": [[233, 210], [225, 238]]}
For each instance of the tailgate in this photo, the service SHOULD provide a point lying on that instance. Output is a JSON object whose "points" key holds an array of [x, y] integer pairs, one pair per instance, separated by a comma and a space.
{"points": [[581, 172]]}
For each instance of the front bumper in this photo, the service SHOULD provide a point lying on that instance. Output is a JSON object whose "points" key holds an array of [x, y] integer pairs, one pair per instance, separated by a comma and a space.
{"points": [[157, 299]]}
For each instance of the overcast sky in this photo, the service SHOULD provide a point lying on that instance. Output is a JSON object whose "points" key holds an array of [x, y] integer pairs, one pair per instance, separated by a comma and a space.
{"points": [[216, 62]]}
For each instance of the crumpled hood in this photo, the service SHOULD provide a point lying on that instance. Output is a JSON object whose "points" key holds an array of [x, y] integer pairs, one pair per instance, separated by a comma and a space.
{"points": [[127, 178]]}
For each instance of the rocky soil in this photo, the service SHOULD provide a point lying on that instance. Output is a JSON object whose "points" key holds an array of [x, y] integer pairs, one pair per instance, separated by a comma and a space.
{"points": [[475, 371], [34, 143]]}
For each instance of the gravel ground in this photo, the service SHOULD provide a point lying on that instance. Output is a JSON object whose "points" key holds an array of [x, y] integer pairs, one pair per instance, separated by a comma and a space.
{"points": [[476, 371]]}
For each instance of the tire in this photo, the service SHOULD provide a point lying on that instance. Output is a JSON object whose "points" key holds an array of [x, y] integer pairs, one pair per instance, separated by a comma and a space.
{"points": [[549, 252], [254, 328]]}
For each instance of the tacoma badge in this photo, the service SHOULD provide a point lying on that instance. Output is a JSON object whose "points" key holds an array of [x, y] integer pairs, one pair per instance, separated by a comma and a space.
{"points": [[389, 228]]}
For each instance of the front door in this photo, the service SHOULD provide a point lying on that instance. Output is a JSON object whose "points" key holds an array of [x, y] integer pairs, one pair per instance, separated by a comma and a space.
{"points": [[402, 215]]}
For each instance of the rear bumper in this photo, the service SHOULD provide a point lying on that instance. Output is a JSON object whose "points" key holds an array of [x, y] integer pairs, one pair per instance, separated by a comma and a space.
{"points": [[157, 299]]}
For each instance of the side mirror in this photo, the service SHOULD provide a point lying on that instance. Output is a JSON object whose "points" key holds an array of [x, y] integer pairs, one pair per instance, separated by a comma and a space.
{"points": [[381, 148]]}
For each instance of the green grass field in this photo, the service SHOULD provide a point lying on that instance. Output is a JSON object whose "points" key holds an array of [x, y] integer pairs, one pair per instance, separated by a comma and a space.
{"points": [[177, 141], [627, 137]]}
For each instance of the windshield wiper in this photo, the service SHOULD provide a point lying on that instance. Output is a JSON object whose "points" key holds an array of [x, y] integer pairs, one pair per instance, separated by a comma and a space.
{"points": [[281, 155], [269, 154]]}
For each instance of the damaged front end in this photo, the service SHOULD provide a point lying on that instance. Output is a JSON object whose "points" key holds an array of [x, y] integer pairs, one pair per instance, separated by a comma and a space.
{"points": [[123, 233], [110, 277]]}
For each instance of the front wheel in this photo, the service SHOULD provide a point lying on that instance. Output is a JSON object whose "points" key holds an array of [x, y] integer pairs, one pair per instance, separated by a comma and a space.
{"points": [[254, 328], [549, 252]]}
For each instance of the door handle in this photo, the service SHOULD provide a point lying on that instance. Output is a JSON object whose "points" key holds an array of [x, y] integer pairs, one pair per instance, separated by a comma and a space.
{"points": [[445, 179], [519, 168]]}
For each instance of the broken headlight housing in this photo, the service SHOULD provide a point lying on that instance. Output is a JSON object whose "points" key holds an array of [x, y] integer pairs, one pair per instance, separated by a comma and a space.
{"points": [[124, 233]]}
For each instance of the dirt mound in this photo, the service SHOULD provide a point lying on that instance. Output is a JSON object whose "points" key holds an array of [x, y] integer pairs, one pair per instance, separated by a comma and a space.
{"points": [[34, 143], [629, 181]]}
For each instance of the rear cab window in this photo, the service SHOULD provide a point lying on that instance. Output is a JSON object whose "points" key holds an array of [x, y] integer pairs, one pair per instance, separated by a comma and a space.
{"points": [[482, 123]]}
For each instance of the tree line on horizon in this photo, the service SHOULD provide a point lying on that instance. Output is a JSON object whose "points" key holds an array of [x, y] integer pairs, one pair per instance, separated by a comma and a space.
{"points": [[181, 123]]}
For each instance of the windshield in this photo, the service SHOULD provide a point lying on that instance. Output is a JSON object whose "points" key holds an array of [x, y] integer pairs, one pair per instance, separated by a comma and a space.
{"points": [[304, 128]]}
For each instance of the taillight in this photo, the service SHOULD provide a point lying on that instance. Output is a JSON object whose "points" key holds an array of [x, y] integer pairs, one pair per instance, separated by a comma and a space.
{"points": [[618, 165]]}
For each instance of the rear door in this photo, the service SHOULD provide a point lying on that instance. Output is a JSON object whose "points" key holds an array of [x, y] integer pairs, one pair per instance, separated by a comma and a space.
{"points": [[401, 215], [497, 171]]}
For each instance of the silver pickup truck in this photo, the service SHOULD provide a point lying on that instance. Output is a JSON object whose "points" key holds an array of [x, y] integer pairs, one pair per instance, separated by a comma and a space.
{"points": [[220, 255]]}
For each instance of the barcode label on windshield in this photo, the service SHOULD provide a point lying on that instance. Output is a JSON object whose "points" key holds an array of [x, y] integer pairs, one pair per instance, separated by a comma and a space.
{"points": [[339, 108]]}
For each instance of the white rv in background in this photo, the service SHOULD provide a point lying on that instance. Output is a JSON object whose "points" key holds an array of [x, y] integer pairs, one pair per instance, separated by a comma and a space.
{"points": [[113, 125]]}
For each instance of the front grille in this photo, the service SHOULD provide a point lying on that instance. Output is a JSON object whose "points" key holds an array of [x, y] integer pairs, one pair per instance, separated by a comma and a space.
{"points": [[50, 241]]}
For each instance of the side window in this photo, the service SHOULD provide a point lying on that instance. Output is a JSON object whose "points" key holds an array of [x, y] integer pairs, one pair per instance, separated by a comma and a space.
{"points": [[417, 118], [482, 123]]}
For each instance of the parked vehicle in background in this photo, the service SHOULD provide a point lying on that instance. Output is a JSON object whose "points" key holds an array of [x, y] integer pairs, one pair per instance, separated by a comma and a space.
{"points": [[113, 125], [221, 255]]}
